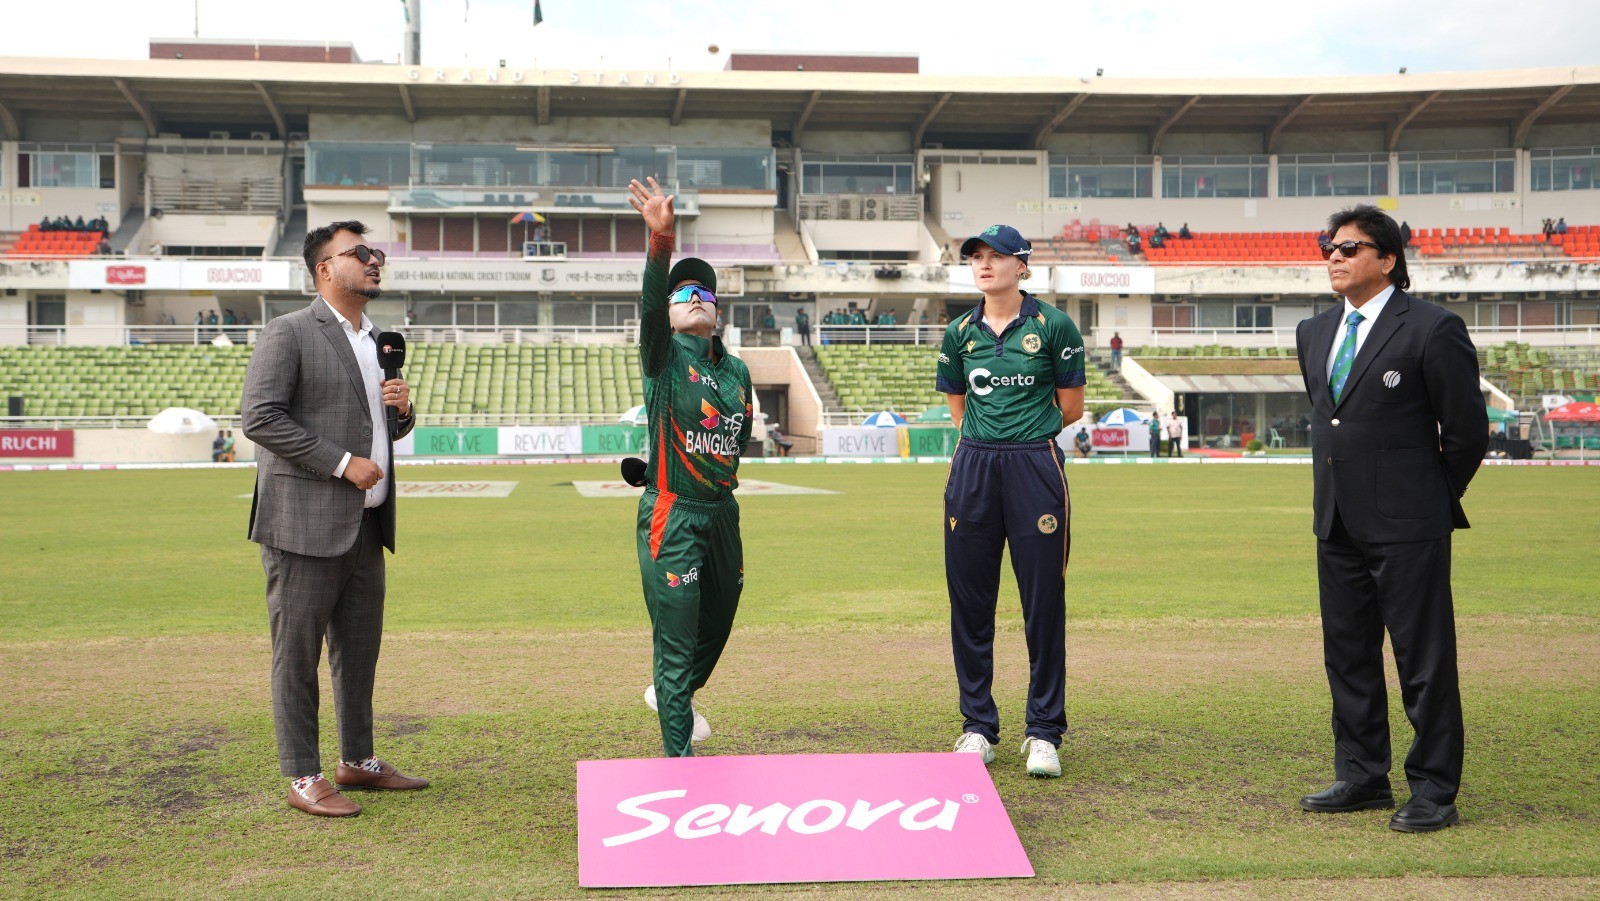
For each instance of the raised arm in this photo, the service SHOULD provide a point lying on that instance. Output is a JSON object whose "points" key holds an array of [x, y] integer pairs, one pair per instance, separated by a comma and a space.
{"points": [[655, 332]]}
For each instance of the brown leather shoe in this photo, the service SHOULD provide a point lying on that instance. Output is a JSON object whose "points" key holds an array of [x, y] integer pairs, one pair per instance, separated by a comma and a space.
{"points": [[325, 801], [386, 779]]}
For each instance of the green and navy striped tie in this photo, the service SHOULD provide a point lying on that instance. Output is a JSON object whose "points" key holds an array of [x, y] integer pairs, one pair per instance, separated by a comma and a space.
{"points": [[1346, 356]]}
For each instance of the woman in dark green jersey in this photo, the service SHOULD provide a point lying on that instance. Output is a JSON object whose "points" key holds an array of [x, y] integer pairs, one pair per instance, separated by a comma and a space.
{"points": [[698, 400], [1013, 370]]}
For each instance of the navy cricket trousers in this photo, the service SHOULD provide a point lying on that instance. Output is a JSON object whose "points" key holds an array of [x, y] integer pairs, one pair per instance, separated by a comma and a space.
{"points": [[1016, 493]]}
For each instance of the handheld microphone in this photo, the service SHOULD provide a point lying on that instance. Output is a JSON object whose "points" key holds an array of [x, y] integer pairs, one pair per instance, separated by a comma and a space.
{"points": [[391, 356], [633, 470]]}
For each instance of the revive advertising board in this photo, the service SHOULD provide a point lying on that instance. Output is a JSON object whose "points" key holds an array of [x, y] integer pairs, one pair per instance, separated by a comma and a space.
{"points": [[449, 443], [928, 441], [36, 442], [792, 818], [613, 440], [533, 441], [859, 442]]}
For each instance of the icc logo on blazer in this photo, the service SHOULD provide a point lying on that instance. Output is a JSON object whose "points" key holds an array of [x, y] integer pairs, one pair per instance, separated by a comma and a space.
{"points": [[1391, 379]]}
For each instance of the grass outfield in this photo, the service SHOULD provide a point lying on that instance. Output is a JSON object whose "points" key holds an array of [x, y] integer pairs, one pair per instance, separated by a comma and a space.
{"points": [[138, 734]]}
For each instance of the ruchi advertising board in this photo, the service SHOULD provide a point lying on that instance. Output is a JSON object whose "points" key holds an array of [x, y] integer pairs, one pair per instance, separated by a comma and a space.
{"points": [[36, 442], [792, 818]]}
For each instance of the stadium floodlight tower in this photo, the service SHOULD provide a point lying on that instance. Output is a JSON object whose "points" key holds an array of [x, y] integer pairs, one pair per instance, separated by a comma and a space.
{"points": [[413, 47]]}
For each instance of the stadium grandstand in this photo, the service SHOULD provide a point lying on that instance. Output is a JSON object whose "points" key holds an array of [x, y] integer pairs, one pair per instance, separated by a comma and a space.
{"points": [[515, 261]]}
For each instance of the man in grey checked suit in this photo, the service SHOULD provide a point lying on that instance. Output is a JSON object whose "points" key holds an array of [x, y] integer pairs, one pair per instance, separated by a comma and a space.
{"points": [[323, 512]]}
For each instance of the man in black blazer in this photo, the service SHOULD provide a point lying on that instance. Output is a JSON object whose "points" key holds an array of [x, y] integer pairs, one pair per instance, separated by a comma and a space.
{"points": [[1398, 428]]}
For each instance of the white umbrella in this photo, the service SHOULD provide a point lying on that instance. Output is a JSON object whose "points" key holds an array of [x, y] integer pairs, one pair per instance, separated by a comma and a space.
{"points": [[1123, 416], [181, 421], [884, 419], [635, 416]]}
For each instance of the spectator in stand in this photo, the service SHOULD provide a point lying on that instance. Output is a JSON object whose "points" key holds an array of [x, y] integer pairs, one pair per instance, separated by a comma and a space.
{"points": [[1161, 232], [779, 441], [1155, 434], [216, 447], [1116, 350], [1156, 240], [769, 322], [228, 318], [1561, 226], [211, 319], [48, 225], [857, 317], [1131, 229], [1133, 242], [103, 248], [1548, 228], [244, 319], [200, 318], [1322, 237], [802, 326], [1184, 233], [1405, 234], [227, 448], [1081, 442], [78, 225]]}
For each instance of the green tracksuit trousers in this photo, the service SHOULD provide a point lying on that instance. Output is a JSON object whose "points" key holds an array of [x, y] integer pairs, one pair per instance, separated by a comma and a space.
{"points": [[691, 562]]}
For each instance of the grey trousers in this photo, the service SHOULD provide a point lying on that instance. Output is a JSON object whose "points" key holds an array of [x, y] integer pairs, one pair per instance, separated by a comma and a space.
{"points": [[309, 600]]}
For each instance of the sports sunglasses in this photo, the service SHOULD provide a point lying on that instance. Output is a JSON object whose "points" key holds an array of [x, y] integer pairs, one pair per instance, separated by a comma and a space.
{"points": [[693, 292]]}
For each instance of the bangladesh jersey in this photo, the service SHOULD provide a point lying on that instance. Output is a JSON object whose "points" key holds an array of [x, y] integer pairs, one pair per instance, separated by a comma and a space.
{"points": [[1010, 379], [697, 397]]}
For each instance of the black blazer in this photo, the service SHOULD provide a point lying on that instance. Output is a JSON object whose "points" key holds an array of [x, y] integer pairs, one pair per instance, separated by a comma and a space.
{"points": [[1394, 456]]}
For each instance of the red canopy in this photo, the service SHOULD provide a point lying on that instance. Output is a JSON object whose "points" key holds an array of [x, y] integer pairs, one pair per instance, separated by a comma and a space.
{"points": [[1577, 411]]}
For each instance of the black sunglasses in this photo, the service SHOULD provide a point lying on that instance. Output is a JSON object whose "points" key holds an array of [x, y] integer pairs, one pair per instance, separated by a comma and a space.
{"points": [[1347, 249], [362, 252]]}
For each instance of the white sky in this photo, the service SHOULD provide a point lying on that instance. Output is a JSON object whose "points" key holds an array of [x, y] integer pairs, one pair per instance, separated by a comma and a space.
{"points": [[1128, 38]]}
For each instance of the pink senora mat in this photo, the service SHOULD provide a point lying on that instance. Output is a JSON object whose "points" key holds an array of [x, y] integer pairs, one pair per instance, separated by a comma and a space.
{"points": [[792, 818]]}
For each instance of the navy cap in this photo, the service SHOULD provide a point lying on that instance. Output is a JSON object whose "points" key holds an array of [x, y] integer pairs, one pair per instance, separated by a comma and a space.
{"points": [[1003, 238]]}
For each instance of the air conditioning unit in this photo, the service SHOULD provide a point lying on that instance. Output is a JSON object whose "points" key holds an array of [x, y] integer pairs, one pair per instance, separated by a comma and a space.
{"points": [[260, 136], [219, 136], [871, 203], [300, 136], [1533, 295], [870, 214]]}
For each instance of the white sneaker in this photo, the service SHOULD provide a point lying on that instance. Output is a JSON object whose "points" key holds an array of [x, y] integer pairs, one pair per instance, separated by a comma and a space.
{"points": [[973, 743], [1042, 757], [702, 729]]}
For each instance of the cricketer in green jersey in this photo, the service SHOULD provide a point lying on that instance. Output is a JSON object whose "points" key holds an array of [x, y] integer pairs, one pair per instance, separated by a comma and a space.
{"points": [[698, 402]]}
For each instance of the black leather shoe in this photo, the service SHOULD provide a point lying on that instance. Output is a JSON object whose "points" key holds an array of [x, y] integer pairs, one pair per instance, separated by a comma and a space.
{"points": [[1343, 797], [1422, 815]]}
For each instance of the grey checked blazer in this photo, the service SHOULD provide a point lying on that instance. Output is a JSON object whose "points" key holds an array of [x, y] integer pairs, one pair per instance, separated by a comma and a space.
{"points": [[304, 406]]}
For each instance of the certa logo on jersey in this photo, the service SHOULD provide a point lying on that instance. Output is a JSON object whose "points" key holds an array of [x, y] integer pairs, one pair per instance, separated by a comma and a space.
{"points": [[673, 581], [712, 416], [984, 382]]}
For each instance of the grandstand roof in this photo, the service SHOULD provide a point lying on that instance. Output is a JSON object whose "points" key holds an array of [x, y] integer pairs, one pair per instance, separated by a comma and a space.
{"points": [[991, 112]]}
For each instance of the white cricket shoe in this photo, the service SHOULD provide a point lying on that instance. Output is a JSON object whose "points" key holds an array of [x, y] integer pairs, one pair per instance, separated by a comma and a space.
{"points": [[1042, 757], [973, 743], [702, 729]]}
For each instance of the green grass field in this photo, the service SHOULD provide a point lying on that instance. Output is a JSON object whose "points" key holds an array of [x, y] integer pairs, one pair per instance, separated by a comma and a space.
{"points": [[139, 759]]}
